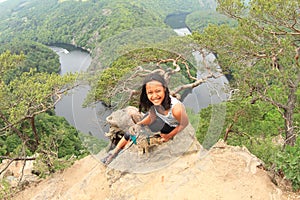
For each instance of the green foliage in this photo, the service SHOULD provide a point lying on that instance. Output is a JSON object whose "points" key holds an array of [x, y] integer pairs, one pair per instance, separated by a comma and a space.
{"points": [[37, 56], [12, 144], [59, 136], [252, 125], [257, 127], [109, 83], [93, 144], [27, 128], [203, 123], [109, 78], [260, 53], [9, 62], [59, 146], [5, 189], [128, 15], [166, 7], [45, 164], [68, 21], [128, 41], [51, 21], [3, 147], [193, 118], [264, 148], [33, 92], [211, 124], [29, 87], [207, 17], [288, 161]]}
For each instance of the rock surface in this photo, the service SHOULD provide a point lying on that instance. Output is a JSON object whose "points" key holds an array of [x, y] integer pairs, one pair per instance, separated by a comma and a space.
{"points": [[223, 172], [178, 169], [136, 160]]}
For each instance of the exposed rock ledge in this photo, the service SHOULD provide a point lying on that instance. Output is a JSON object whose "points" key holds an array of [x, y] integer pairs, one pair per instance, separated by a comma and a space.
{"points": [[224, 172]]}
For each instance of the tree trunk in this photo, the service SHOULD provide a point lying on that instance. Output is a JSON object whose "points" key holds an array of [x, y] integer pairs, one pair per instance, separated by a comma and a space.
{"points": [[36, 136], [290, 138], [289, 128]]}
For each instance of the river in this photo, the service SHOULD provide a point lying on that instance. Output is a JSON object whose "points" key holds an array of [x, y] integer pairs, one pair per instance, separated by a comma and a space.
{"points": [[212, 91], [90, 120]]}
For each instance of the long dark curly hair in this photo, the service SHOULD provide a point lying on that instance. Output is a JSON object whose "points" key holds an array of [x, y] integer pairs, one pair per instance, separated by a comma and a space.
{"points": [[145, 104]]}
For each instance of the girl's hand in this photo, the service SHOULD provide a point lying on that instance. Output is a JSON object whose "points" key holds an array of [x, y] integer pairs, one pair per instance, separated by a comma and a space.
{"points": [[165, 137], [134, 130]]}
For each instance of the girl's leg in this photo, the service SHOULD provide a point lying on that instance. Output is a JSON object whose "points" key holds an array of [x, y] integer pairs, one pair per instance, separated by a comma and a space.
{"points": [[121, 144]]}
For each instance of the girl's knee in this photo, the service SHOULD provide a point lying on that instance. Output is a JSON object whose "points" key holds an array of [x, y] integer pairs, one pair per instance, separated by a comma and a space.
{"points": [[127, 136]]}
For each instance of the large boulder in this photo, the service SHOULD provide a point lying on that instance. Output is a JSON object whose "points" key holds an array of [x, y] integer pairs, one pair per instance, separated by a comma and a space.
{"points": [[119, 122], [148, 154]]}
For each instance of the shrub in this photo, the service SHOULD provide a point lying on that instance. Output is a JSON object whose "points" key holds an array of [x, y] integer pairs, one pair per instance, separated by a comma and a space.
{"points": [[288, 162]]}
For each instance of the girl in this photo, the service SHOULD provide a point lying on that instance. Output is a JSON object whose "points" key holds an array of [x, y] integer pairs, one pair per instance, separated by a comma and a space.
{"points": [[165, 113]]}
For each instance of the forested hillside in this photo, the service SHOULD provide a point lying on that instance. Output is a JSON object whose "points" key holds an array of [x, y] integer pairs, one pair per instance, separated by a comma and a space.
{"points": [[83, 23]]}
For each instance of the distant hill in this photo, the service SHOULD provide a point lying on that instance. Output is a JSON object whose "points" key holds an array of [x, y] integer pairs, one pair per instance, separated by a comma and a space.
{"points": [[85, 23]]}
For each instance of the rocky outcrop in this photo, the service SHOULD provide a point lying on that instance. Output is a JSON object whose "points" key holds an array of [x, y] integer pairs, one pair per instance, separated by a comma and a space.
{"points": [[177, 169], [136, 160], [223, 172]]}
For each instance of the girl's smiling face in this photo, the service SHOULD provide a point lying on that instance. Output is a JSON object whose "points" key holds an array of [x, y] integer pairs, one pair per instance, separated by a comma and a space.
{"points": [[155, 92]]}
